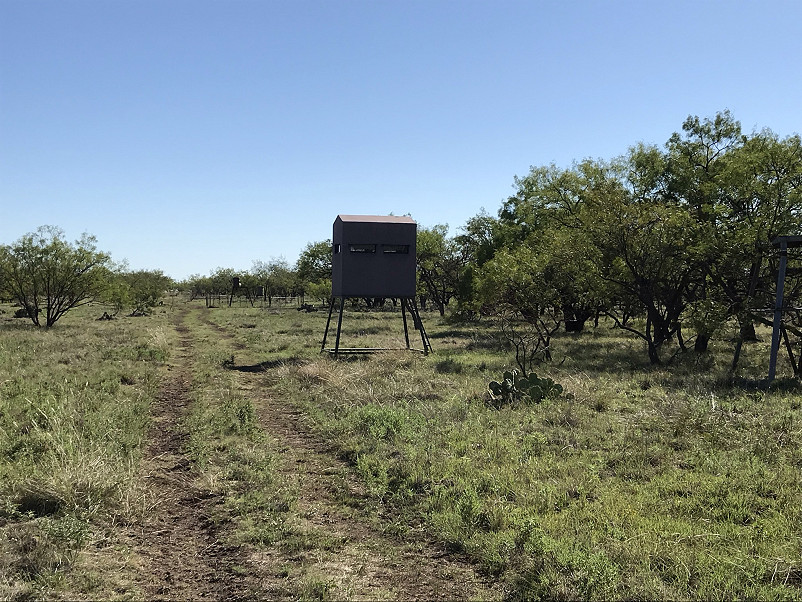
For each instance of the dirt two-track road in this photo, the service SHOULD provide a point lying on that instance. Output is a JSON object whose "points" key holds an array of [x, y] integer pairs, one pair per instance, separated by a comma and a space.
{"points": [[182, 551]]}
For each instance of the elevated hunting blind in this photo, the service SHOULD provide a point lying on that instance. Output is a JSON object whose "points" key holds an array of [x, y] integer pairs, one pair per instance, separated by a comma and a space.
{"points": [[373, 256]]}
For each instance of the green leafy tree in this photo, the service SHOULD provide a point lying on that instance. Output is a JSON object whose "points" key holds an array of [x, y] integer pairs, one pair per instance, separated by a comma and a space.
{"points": [[198, 286], [478, 241], [651, 251], [49, 276], [221, 281], [546, 215], [314, 263], [518, 278], [247, 286], [218, 283], [313, 270], [278, 279], [147, 289], [602, 235], [140, 291], [320, 290], [743, 191], [260, 270], [440, 262], [517, 284], [480, 238], [650, 255], [697, 169], [662, 238]]}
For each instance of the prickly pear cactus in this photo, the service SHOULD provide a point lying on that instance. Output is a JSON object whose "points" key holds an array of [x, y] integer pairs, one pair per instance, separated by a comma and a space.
{"points": [[506, 390], [514, 387]]}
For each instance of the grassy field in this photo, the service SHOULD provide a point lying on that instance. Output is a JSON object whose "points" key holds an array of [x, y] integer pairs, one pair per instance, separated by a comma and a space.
{"points": [[665, 482], [74, 404]]}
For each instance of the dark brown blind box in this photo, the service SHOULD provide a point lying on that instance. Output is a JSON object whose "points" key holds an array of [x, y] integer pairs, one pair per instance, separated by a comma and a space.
{"points": [[373, 256]]}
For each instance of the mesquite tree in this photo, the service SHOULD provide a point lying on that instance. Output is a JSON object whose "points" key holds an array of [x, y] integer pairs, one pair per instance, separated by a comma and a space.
{"points": [[49, 276]]}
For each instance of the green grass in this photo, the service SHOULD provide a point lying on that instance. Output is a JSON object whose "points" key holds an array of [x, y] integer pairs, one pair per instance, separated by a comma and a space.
{"points": [[73, 411], [658, 482], [640, 481]]}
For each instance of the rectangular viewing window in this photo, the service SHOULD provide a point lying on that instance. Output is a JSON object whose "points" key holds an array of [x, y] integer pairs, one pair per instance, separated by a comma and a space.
{"points": [[396, 249], [360, 248]]}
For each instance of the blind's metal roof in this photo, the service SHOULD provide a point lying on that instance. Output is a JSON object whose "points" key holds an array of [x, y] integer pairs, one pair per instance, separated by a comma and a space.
{"points": [[377, 219]]}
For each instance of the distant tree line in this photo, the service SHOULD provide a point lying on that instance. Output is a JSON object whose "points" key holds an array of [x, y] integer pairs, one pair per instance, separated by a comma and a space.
{"points": [[309, 277], [670, 243]]}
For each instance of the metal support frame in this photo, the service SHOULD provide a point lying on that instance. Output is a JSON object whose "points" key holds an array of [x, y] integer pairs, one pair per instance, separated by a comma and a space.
{"points": [[783, 242], [407, 304]]}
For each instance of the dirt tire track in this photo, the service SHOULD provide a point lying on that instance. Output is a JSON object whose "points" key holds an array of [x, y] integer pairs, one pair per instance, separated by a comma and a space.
{"points": [[369, 564], [182, 550]]}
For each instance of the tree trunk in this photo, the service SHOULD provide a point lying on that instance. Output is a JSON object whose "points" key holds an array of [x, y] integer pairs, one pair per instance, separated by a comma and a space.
{"points": [[702, 340], [654, 357], [748, 332], [575, 318], [680, 339]]}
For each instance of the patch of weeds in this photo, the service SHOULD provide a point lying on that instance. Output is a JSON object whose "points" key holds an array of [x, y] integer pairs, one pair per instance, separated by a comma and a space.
{"points": [[600, 404], [314, 588], [148, 353], [379, 423], [37, 550], [533, 445], [237, 416], [373, 471], [68, 530], [543, 566]]}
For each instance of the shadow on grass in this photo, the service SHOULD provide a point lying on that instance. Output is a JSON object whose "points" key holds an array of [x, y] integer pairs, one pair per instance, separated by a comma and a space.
{"points": [[780, 385], [268, 365], [454, 333]]}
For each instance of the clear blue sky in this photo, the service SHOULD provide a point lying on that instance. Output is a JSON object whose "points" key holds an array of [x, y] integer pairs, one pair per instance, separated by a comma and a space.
{"points": [[192, 134]]}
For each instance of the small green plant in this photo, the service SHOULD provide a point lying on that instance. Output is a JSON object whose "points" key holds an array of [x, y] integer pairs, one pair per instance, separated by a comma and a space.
{"points": [[515, 387]]}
